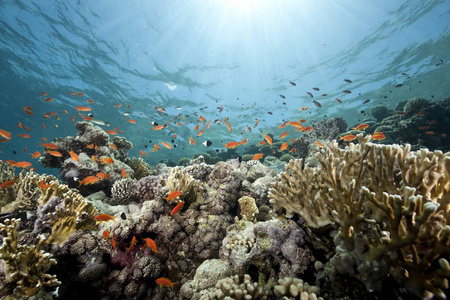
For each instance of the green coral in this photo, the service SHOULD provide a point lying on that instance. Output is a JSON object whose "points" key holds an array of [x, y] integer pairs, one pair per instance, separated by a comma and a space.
{"points": [[25, 267], [140, 167], [286, 157]]}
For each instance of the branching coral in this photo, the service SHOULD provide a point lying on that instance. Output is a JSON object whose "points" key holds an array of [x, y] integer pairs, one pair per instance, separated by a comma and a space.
{"points": [[391, 207], [25, 267]]}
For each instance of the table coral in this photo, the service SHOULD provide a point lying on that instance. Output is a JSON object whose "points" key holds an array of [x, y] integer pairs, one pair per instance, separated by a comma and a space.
{"points": [[391, 207], [25, 267]]}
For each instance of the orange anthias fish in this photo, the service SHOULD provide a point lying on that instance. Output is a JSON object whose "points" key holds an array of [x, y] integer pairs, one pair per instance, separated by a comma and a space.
{"points": [[44, 185], [151, 244], [123, 173], [111, 132], [167, 145], [268, 139], [257, 156], [262, 143], [284, 134], [133, 242], [131, 121], [256, 124], [107, 160], [83, 108], [292, 150], [283, 125], [284, 146], [173, 195], [74, 156], [55, 153], [5, 134], [362, 126], [104, 218], [228, 126], [113, 242], [378, 136], [159, 127], [177, 208], [200, 133], [113, 146], [7, 184], [89, 180], [24, 135], [35, 154], [319, 144], [22, 164], [164, 282], [348, 137], [50, 146], [103, 176], [106, 234]]}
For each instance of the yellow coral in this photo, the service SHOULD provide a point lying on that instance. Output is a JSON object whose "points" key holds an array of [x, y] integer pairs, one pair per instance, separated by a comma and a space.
{"points": [[192, 189]]}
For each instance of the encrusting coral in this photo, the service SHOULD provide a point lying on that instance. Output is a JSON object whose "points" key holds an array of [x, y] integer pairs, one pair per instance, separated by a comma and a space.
{"points": [[24, 267], [391, 207]]}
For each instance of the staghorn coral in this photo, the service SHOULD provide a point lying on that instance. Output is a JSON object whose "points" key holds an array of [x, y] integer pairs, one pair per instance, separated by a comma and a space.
{"points": [[391, 207], [121, 192], [24, 267]]}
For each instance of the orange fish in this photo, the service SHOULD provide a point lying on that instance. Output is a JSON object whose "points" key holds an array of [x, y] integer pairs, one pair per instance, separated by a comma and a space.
{"points": [[338, 100], [131, 121], [133, 242], [262, 143], [173, 195], [284, 134], [129, 105], [177, 208], [292, 150], [107, 160], [303, 108], [348, 137], [257, 156], [309, 128], [104, 218], [295, 124], [102, 176], [319, 144], [44, 185], [80, 94], [200, 133], [49, 100], [22, 164], [378, 136], [167, 145], [256, 124], [196, 127], [83, 108], [141, 153], [88, 180], [54, 153], [123, 173], [207, 126], [50, 146], [106, 234], [118, 105], [24, 135], [430, 132], [159, 127], [7, 184], [35, 154], [151, 244], [74, 156], [424, 128], [90, 146], [88, 118], [71, 93], [362, 126], [284, 146], [283, 125], [113, 146], [72, 119], [43, 94], [5, 134], [192, 141], [113, 242], [111, 132], [90, 101], [43, 126], [302, 121], [164, 282], [268, 139], [228, 126]]}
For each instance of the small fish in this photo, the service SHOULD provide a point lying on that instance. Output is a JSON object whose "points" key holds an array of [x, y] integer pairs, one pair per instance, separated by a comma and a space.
{"points": [[90, 100], [303, 108], [160, 109], [54, 153], [167, 145], [118, 105], [80, 94], [177, 208], [159, 127], [284, 134], [324, 95], [348, 137], [378, 136], [21, 164], [424, 127], [200, 133], [113, 242], [362, 126], [133, 243], [262, 143], [268, 139], [284, 146], [317, 104], [101, 175], [282, 96], [123, 173], [319, 144], [83, 108], [228, 126], [207, 143], [173, 195], [348, 80], [43, 94], [5, 134], [399, 85], [7, 184], [49, 100], [151, 244], [292, 83], [164, 282], [311, 95], [107, 160], [113, 146], [74, 156], [35, 154], [366, 101], [104, 218], [347, 91], [24, 135], [44, 185], [257, 156], [292, 150], [106, 234], [430, 133], [131, 121], [89, 180], [316, 88]]}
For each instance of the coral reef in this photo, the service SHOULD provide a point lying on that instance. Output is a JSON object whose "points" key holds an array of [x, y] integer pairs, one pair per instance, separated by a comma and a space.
{"points": [[391, 207], [294, 288], [140, 167], [24, 267], [236, 288], [380, 112], [121, 192]]}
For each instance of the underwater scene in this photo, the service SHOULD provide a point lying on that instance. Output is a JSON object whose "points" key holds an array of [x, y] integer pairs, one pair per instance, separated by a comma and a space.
{"points": [[224, 149]]}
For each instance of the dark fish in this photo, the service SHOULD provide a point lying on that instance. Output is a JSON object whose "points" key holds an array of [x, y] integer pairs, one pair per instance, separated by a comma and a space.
{"points": [[399, 85], [338, 100], [270, 113], [293, 83], [14, 152], [404, 74], [324, 95], [150, 141], [317, 103], [207, 143], [348, 80], [316, 88], [154, 123], [284, 103], [311, 95], [385, 97], [347, 91], [217, 150], [363, 112], [123, 216], [366, 101], [282, 96], [438, 64], [145, 146]]}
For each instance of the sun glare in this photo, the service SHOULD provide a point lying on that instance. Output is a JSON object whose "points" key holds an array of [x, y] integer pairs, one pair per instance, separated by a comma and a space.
{"points": [[240, 4]]}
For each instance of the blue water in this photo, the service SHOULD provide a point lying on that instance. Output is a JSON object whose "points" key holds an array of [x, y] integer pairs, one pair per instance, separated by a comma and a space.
{"points": [[202, 54]]}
